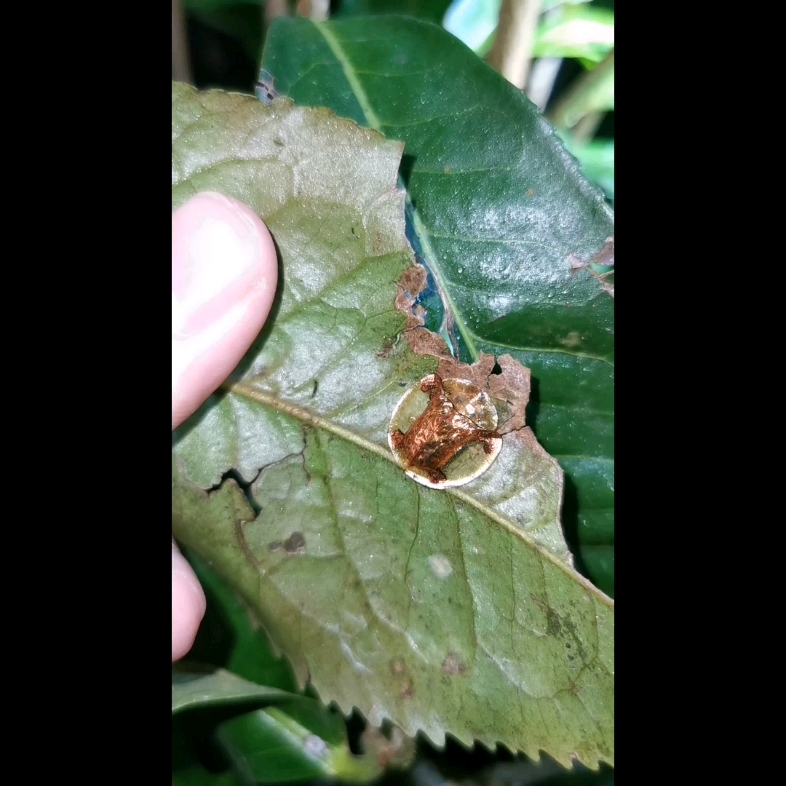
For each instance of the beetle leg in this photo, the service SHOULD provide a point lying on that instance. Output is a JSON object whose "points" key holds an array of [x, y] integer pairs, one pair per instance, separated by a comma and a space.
{"points": [[397, 438], [436, 476]]}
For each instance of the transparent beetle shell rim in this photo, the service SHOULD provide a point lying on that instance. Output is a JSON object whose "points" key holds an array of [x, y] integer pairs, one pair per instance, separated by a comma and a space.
{"points": [[462, 399]]}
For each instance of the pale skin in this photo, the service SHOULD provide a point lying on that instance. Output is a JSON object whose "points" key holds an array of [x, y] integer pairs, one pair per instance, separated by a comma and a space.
{"points": [[224, 275]]}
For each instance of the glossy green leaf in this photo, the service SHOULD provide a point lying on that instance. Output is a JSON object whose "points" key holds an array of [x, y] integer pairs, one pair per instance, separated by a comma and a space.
{"points": [[499, 208], [195, 686], [597, 162], [387, 594], [293, 742]]}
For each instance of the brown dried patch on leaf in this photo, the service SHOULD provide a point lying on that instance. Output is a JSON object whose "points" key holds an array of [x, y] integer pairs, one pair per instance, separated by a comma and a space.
{"points": [[525, 440], [424, 342], [453, 664], [478, 373], [398, 667], [510, 388], [412, 283], [406, 690], [295, 543]]}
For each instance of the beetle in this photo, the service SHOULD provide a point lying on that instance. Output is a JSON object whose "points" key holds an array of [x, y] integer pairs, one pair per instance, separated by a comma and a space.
{"points": [[438, 434]]}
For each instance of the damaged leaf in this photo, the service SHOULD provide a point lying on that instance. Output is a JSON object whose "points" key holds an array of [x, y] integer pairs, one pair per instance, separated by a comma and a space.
{"points": [[444, 610], [497, 212], [294, 736]]}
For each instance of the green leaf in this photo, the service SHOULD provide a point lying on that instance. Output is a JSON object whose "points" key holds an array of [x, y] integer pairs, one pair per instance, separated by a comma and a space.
{"points": [[293, 743], [305, 733], [588, 97], [198, 686], [582, 31], [232, 637], [597, 162], [500, 207], [387, 594]]}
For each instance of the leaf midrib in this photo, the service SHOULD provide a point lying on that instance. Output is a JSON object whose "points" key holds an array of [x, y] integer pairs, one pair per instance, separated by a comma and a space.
{"points": [[304, 415], [420, 228]]}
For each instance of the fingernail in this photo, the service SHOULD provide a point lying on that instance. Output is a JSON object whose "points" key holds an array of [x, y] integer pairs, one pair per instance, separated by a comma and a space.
{"points": [[216, 253]]}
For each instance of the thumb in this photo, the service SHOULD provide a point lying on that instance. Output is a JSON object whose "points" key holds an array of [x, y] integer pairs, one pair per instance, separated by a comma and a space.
{"points": [[224, 274]]}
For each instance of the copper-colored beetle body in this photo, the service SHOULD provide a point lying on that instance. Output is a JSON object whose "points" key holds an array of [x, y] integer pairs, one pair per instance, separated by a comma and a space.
{"points": [[439, 433]]}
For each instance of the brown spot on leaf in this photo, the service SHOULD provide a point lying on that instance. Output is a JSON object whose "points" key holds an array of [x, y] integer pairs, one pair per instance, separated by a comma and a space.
{"points": [[406, 690], [424, 342], [377, 243], [295, 543], [387, 347], [412, 283], [453, 664], [530, 192], [398, 667]]}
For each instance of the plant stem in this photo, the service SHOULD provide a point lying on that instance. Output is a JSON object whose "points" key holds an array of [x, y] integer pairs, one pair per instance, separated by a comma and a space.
{"points": [[316, 10], [181, 67], [578, 100], [542, 77], [585, 129], [274, 9], [512, 48]]}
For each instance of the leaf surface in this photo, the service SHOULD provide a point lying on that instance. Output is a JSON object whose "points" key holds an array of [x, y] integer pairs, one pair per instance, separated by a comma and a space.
{"points": [[498, 210], [447, 611], [195, 686]]}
